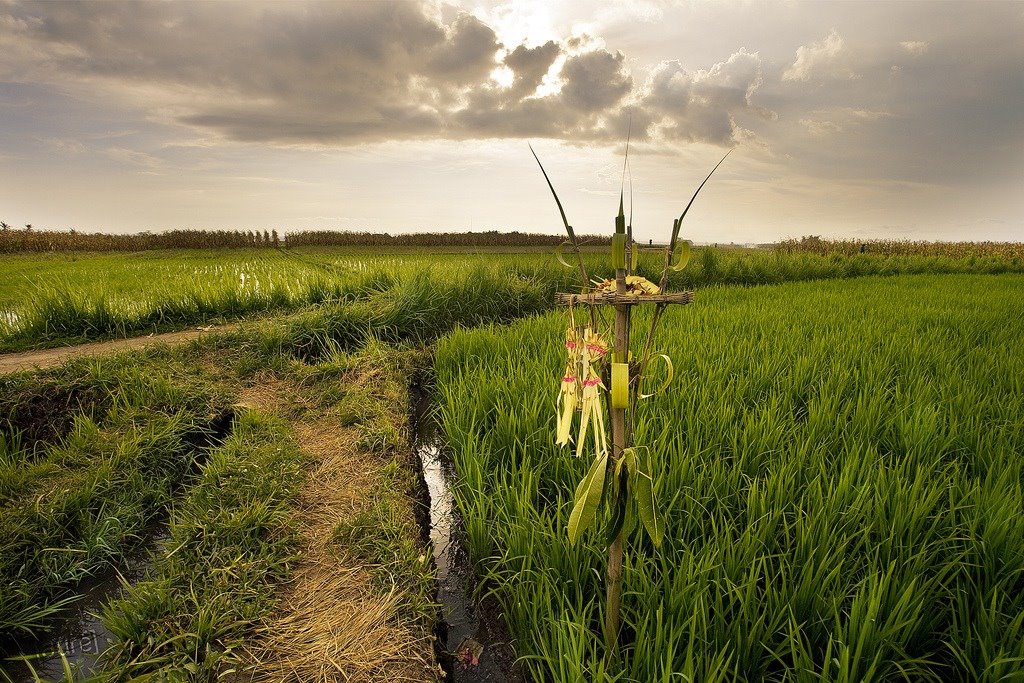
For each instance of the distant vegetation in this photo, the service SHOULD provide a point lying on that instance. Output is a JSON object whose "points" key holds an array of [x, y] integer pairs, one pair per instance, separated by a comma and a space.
{"points": [[30, 240], [812, 244], [490, 238]]}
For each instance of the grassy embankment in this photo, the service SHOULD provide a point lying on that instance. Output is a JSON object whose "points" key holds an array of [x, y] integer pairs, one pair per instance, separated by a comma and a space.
{"points": [[56, 299], [89, 455], [840, 470]]}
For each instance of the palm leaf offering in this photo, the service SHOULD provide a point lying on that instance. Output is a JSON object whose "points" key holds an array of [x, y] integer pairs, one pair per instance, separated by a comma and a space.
{"points": [[602, 375]]}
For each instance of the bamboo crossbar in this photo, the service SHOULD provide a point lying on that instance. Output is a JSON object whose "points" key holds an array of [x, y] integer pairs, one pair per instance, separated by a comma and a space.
{"points": [[612, 299]]}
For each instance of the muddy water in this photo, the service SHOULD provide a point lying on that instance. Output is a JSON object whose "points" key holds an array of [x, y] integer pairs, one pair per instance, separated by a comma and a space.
{"points": [[77, 633], [474, 640]]}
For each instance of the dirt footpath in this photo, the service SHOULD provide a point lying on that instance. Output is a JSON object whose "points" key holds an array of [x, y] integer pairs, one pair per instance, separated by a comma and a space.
{"points": [[45, 358], [331, 623]]}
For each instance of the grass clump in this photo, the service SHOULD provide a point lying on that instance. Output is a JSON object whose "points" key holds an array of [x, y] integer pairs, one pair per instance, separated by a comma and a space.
{"points": [[79, 486], [231, 539]]}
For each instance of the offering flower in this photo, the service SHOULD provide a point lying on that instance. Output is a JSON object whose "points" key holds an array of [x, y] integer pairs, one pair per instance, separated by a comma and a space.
{"points": [[569, 396]]}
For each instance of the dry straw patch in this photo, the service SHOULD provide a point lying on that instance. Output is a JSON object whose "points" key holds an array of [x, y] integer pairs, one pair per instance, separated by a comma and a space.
{"points": [[331, 623]]}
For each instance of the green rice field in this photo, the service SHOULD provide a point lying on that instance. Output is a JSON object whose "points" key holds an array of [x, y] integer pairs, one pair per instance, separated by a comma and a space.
{"points": [[841, 470], [61, 298], [838, 458]]}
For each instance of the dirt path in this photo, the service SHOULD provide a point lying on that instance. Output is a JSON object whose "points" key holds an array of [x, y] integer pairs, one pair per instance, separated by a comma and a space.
{"points": [[332, 622], [45, 358]]}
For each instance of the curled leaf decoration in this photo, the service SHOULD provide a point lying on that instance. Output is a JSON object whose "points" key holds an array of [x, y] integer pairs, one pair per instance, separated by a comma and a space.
{"points": [[670, 373], [682, 258], [558, 254]]}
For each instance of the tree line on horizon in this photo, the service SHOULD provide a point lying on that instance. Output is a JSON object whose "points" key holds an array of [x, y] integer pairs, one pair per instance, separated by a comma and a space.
{"points": [[31, 240]]}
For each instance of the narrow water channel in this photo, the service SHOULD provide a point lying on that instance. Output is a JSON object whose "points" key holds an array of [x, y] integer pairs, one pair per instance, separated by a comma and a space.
{"points": [[473, 637], [77, 636]]}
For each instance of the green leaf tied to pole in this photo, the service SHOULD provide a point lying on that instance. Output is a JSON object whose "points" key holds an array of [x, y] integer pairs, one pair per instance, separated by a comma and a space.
{"points": [[572, 238], [560, 257], [619, 250], [565, 222], [620, 220], [682, 258], [587, 499], [620, 385], [643, 485], [675, 227], [668, 377]]}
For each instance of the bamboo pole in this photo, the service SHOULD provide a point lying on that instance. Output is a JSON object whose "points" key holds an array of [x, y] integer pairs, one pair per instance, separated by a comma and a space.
{"points": [[618, 420], [622, 417]]}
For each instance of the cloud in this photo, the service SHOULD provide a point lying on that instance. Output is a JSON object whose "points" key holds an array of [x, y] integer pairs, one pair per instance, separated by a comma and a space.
{"points": [[595, 80], [702, 106], [821, 127], [940, 107], [466, 55], [339, 74], [134, 157], [841, 119], [285, 73], [529, 66], [824, 60], [65, 147], [947, 116]]}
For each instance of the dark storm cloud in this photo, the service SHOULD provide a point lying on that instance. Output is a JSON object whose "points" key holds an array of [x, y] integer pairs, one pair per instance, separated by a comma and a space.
{"points": [[330, 73]]}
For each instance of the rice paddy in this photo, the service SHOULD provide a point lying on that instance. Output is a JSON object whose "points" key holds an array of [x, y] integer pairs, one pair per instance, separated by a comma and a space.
{"points": [[840, 469], [66, 298], [838, 459]]}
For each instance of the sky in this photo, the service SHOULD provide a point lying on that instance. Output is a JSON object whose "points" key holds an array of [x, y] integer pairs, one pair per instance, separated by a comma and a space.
{"points": [[862, 120]]}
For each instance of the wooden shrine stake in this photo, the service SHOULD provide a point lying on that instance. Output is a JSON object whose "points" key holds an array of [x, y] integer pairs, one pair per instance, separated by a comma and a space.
{"points": [[621, 433]]}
